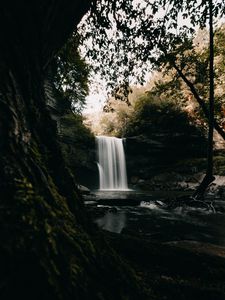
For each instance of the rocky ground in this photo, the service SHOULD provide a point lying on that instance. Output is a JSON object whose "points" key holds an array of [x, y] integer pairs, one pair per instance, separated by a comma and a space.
{"points": [[174, 271]]}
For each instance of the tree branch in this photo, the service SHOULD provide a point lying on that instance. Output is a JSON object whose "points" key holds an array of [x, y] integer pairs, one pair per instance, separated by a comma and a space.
{"points": [[198, 99]]}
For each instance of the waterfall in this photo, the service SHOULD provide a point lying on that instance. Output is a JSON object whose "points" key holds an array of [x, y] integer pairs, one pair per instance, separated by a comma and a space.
{"points": [[111, 163]]}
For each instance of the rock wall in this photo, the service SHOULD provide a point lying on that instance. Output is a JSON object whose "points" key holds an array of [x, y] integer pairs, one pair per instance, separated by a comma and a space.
{"points": [[160, 152]]}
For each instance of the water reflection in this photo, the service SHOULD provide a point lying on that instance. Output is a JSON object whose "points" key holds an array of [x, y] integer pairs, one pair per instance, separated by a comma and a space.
{"points": [[153, 222], [113, 221]]}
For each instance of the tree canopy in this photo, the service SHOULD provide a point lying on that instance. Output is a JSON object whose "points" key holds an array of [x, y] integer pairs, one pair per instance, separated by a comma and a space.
{"points": [[124, 39]]}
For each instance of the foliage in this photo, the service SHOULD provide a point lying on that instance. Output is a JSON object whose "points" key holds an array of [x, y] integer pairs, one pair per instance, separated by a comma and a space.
{"points": [[161, 105], [123, 37], [189, 62], [72, 126], [68, 96], [71, 74], [114, 121], [153, 115]]}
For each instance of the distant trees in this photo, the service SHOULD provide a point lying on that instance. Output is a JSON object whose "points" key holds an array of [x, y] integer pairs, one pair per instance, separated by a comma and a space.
{"points": [[152, 115]]}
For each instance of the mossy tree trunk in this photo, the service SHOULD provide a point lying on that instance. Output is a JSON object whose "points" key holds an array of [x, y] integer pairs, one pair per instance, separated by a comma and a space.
{"points": [[31, 33], [45, 251]]}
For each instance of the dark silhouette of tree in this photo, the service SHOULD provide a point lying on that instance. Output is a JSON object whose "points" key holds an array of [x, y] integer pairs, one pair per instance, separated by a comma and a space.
{"points": [[209, 172], [49, 248]]}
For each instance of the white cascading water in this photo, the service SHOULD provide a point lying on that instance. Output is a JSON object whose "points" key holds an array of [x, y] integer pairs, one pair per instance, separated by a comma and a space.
{"points": [[111, 163]]}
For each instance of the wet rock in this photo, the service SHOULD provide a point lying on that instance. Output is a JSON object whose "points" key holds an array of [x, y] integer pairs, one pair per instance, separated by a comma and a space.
{"points": [[83, 189], [141, 181], [196, 178]]}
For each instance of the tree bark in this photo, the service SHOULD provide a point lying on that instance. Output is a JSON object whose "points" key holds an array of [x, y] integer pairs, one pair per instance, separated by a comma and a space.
{"points": [[45, 251], [30, 35], [209, 114], [209, 178]]}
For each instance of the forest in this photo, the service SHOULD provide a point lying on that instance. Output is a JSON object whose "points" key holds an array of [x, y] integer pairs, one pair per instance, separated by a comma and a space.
{"points": [[128, 201]]}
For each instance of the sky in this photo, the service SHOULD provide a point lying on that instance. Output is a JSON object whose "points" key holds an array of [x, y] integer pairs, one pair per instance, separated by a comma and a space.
{"points": [[94, 103], [97, 95]]}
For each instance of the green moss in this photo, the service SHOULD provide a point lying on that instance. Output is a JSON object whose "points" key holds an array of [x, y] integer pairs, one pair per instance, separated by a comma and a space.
{"points": [[25, 191], [35, 153]]}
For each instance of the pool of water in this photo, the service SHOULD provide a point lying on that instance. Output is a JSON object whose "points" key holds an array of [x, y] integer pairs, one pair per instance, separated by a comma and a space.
{"points": [[152, 221]]}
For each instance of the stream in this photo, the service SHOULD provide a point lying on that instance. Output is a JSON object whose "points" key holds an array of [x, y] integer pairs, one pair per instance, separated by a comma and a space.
{"points": [[117, 209], [149, 219]]}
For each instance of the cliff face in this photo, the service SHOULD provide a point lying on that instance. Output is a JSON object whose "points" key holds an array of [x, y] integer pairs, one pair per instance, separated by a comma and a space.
{"points": [[159, 152], [78, 146]]}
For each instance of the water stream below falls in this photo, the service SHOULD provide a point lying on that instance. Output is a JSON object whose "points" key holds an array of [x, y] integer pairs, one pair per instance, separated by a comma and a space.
{"points": [[111, 164], [154, 222], [117, 209]]}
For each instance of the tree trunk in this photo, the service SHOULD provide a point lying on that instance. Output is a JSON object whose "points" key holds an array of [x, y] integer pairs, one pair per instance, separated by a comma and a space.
{"points": [[45, 251], [209, 114], [199, 194]]}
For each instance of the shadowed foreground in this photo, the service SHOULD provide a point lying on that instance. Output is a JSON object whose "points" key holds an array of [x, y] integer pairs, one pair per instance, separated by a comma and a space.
{"points": [[179, 270]]}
